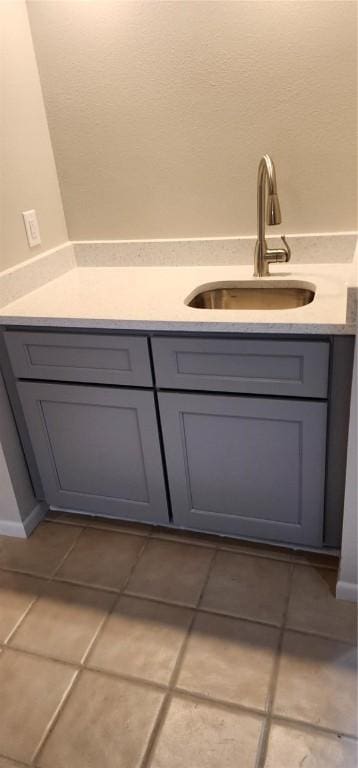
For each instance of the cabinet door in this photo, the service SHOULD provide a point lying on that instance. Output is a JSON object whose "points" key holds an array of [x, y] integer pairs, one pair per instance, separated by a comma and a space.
{"points": [[246, 466], [97, 449]]}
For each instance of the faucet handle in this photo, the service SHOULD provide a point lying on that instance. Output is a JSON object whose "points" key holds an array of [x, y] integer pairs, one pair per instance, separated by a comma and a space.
{"points": [[287, 247]]}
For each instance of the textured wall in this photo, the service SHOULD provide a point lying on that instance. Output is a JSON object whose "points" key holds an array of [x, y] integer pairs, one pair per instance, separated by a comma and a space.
{"points": [[28, 174], [159, 112]]}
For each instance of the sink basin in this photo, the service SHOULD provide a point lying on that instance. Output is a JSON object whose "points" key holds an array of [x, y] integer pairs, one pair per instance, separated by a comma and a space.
{"points": [[251, 295]]}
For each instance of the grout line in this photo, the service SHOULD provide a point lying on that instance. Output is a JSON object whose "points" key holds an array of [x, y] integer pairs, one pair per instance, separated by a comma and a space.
{"points": [[305, 725], [156, 730], [160, 720], [140, 596], [215, 544], [193, 695], [177, 539], [70, 550], [123, 531], [86, 584], [23, 572], [20, 621], [77, 676], [55, 717], [262, 750], [83, 521], [121, 676], [78, 668], [119, 593], [46, 656], [170, 690], [82, 666], [98, 631], [230, 706], [11, 760]]}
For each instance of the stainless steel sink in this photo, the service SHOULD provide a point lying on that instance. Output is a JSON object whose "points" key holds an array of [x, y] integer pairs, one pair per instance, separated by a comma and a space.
{"points": [[249, 296]]}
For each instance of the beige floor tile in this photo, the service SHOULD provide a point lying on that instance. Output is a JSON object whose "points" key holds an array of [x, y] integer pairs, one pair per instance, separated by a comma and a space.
{"points": [[102, 558], [171, 571], [142, 638], [42, 552], [31, 691], [313, 606], [17, 592], [229, 659], [63, 621], [121, 526], [317, 682], [248, 587], [297, 748], [106, 723], [199, 735]]}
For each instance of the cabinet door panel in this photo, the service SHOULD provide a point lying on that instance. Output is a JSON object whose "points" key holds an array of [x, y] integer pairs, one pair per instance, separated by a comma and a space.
{"points": [[97, 449], [246, 466]]}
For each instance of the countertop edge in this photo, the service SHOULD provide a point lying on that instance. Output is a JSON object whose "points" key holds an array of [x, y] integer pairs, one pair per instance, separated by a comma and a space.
{"points": [[143, 326]]}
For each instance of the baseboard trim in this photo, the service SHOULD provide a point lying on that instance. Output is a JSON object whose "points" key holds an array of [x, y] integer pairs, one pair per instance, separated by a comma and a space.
{"points": [[347, 591], [9, 528], [23, 528], [35, 517]]}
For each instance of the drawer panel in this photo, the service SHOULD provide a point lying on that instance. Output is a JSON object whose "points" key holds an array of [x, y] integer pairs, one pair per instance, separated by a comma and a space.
{"points": [[93, 358], [291, 368]]}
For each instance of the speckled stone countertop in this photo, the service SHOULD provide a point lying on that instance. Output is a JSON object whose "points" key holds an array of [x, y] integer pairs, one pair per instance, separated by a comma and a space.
{"points": [[153, 299], [146, 285]]}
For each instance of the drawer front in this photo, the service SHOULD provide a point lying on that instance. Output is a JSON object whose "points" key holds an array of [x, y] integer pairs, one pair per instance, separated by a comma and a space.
{"points": [[80, 357], [290, 368]]}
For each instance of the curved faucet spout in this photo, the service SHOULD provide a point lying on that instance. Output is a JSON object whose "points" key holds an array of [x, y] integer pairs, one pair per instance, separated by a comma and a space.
{"points": [[266, 177], [267, 169]]}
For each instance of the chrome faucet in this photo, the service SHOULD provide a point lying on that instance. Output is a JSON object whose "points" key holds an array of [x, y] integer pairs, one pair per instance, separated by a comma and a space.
{"points": [[264, 255]]}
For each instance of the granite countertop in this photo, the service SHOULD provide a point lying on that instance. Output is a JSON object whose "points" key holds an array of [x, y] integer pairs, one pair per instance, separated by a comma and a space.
{"points": [[152, 298]]}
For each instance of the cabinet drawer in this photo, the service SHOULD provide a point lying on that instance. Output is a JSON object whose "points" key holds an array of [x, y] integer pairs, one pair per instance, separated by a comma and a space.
{"points": [[291, 368], [93, 358]]}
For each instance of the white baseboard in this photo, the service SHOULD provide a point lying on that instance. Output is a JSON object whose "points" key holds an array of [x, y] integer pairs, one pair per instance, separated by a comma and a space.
{"points": [[22, 529], [347, 591], [9, 528]]}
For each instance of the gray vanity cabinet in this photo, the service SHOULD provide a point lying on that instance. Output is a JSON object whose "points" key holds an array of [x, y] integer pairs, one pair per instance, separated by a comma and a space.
{"points": [[237, 436], [246, 466], [97, 449]]}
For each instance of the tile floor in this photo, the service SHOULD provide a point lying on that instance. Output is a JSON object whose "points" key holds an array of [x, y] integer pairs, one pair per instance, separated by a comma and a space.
{"points": [[128, 647]]}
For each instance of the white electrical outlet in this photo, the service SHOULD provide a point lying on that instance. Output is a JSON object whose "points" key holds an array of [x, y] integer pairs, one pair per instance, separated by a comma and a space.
{"points": [[32, 228]]}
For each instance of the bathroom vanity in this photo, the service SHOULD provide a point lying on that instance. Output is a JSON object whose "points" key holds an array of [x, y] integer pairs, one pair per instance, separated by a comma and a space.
{"points": [[190, 396], [242, 435]]}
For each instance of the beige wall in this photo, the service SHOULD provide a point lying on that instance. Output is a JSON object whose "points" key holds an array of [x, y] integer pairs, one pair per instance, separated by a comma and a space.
{"points": [[159, 112], [28, 175]]}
